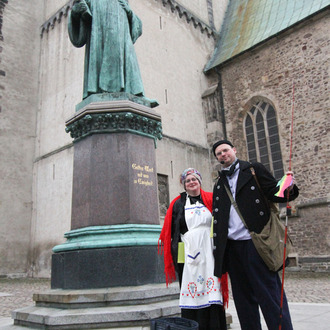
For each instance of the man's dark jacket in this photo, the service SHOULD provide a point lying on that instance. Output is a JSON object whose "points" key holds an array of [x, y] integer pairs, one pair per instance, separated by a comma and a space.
{"points": [[251, 202]]}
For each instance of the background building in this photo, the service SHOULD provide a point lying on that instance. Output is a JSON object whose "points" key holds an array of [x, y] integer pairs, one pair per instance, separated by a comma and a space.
{"points": [[217, 67]]}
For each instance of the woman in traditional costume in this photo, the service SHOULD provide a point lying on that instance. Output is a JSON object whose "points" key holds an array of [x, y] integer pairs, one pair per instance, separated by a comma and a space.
{"points": [[189, 220]]}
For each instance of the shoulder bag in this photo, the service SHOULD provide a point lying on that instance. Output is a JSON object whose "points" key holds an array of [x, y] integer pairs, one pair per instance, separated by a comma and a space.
{"points": [[270, 241]]}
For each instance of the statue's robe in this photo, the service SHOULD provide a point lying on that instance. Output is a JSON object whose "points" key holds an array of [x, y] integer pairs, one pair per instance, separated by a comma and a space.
{"points": [[109, 33]]}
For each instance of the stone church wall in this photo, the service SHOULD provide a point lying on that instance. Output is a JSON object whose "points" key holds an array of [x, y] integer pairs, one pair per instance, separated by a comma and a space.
{"points": [[301, 55]]}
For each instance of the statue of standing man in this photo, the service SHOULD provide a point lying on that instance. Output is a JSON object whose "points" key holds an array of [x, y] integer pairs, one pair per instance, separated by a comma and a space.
{"points": [[108, 28]]}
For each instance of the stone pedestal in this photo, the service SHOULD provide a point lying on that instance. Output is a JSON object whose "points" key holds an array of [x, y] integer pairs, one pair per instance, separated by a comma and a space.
{"points": [[115, 218], [113, 177], [108, 274], [112, 308], [107, 267]]}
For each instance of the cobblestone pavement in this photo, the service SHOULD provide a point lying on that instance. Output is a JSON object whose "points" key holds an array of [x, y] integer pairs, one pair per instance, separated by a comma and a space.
{"points": [[17, 293], [300, 287]]}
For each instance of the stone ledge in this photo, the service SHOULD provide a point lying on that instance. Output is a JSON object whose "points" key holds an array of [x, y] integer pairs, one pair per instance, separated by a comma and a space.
{"points": [[124, 105], [97, 98], [100, 317], [314, 259], [314, 202], [110, 236], [132, 306], [138, 295]]}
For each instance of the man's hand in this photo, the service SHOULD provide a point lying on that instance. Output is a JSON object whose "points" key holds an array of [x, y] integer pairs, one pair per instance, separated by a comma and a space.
{"points": [[293, 180]]}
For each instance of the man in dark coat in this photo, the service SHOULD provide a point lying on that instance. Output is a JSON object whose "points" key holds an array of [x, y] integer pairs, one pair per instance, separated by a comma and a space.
{"points": [[253, 284]]}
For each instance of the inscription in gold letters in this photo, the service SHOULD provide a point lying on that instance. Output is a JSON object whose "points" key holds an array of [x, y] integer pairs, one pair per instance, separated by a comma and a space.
{"points": [[142, 174]]}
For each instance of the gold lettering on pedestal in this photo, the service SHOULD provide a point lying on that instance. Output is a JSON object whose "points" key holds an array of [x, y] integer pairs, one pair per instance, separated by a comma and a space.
{"points": [[142, 174]]}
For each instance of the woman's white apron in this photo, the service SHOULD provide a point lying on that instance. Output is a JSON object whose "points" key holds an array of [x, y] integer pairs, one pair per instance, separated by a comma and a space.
{"points": [[200, 288]]}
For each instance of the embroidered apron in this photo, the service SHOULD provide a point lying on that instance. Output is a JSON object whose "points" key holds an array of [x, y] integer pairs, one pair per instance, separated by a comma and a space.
{"points": [[200, 288]]}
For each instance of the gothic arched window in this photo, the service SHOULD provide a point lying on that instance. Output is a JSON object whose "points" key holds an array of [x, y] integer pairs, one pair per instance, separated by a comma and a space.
{"points": [[263, 143]]}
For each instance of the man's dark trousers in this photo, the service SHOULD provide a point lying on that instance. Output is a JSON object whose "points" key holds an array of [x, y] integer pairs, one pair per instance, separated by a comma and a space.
{"points": [[254, 285]]}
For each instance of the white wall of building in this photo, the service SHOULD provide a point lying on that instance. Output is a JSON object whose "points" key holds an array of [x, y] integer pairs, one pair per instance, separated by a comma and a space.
{"points": [[42, 87], [19, 91]]}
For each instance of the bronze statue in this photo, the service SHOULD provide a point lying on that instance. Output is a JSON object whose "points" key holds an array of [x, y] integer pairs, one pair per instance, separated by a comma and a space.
{"points": [[108, 28]]}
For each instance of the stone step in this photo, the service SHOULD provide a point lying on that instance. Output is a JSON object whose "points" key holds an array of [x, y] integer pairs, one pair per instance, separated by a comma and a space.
{"points": [[100, 317], [130, 307], [112, 317], [107, 308], [116, 296]]}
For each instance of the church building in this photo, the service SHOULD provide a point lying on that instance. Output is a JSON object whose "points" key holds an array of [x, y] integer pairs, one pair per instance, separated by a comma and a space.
{"points": [[252, 71]]}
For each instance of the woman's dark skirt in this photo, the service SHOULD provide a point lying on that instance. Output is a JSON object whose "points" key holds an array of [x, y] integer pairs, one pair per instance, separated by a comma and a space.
{"points": [[209, 318]]}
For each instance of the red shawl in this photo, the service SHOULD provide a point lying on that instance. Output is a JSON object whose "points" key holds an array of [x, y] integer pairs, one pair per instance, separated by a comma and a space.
{"points": [[164, 245]]}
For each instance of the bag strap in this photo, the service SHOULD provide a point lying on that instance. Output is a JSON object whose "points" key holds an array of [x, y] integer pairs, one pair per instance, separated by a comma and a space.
{"points": [[255, 177], [235, 206]]}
